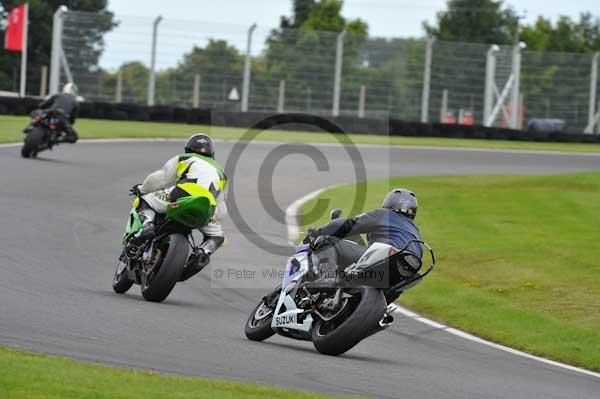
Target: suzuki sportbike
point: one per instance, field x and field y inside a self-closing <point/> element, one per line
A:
<point x="159" y="263"/>
<point x="336" y="313"/>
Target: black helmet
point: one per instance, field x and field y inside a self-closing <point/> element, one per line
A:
<point x="201" y="144"/>
<point x="401" y="200"/>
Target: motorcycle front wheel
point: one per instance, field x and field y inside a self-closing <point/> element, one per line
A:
<point x="121" y="282"/>
<point x="258" y="326"/>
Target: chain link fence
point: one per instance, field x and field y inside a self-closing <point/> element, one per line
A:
<point x="201" y="64"/>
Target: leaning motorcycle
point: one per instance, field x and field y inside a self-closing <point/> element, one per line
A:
<point x="336" y="313"/>
<point x="43" y="133"/>
<point x="159" y="263"/>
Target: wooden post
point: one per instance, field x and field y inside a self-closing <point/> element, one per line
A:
<point x="196" y="98"/>
<point x="444" y="109"/>
<point x="361" y="101"/>
<point x="44" y="81"/>
<point x="119" y="88"/>
<point x="281" y="97"/>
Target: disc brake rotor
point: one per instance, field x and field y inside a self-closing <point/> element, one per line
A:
<point x="154" y="262"/>
<point x="262" y="312"/>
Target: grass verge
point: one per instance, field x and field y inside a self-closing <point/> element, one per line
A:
<point x="25" y="375"/>
<point x="518" y="258"/>
<point x="11" y="127"/>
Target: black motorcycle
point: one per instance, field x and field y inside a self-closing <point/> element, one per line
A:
<point x="44" y="132"/>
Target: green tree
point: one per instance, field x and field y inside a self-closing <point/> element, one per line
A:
<point x="301" y="11"/>
<point x="478" y="21"/>
<point x="566" y="35"/>
<point x="305" y="56"/>
<point x="555" y="78"/>
<point x="220" y="68"/>
<point x="135" y="82"/>
<point x="392" y="72"/>
<point x="40" y="36"/>
<point x="457" y="65"/>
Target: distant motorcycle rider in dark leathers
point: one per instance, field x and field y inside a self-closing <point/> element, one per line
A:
<point x="64" y="107"/>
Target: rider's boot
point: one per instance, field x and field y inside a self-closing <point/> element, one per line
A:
<point x="70" y="136"/>
<point x="198" y="260"/>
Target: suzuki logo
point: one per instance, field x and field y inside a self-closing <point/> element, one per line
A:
<point x="288" y="319"/>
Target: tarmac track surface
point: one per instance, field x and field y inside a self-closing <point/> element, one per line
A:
<point x="63" y="216"/>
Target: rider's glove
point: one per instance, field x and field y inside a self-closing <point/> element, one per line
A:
<point x="311" y="235"/>
<point x="135" y="190"/>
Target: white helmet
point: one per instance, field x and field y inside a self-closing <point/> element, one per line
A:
<point x="71" y="89"/>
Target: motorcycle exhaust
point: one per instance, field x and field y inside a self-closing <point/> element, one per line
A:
<point x="386" y="321"/>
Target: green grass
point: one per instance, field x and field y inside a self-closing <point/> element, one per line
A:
<point x="26" y="375"/>
<point x="519" y="258"/>
<point x="11" y="127"/>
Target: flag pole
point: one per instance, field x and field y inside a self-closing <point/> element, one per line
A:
<point x="24" y="52"/>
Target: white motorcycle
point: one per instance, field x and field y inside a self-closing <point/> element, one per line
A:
<point x="337" y="312"/>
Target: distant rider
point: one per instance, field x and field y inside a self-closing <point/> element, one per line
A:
<point x="194" y="173"/>
<point x="64" y="107"/>
<point x="391" y="224"/>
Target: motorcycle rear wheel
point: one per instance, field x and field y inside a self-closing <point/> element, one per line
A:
<point x="169" y="270"/>
<point x="32" y="142"/>
<point x="342" y="334"/>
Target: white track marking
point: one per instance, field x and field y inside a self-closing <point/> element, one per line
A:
<point x="292" y="221"/>
<point x="292" y="215"/>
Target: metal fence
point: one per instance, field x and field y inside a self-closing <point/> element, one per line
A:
<point x="230" y="67"/>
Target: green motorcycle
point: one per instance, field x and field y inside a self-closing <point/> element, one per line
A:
<point x="159" y="263"/>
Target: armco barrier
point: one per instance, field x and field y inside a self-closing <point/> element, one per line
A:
<point x="163" y="113"/>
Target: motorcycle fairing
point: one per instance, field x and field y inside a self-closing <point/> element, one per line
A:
<point x="297" y="267"/>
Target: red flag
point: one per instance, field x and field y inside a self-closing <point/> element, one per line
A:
<point x="15" y="29"/>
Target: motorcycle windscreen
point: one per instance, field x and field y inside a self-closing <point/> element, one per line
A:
<point x="295" y="265"/>
<point x="193" y="212"/>
<point x="133" y="221"/>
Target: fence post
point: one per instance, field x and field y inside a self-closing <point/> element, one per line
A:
<point x="361" y="101"/>
<point x="490" y="82"/>
<point x="196" y="95"/>
<point x="427" y="80"/>
<point x="593" y="84"/>
<point x="516" y="72"/>
<point x="246" y="82"/>
<point x="119" y="89"/>
<point x="444" y="107"/>
<point x="281" y="97"/>
<point x="337" y="78"/>
<point x="44" y="81"/>
<point x="152" y="77"/>
<point x="57" y="31"/>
